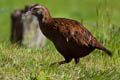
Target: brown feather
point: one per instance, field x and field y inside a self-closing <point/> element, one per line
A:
<point x="70" y="37"/>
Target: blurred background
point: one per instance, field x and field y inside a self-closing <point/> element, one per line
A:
<point x="100" y="17"/>
<point x="90" y="12"/>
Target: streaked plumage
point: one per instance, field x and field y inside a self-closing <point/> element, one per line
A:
<point x="70" y="37"/>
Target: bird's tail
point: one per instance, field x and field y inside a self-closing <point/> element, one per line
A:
<point x="105" y="50"/>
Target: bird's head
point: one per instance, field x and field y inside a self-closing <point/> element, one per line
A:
<point x="27" y="7"/>
<point x="40" y="12"/>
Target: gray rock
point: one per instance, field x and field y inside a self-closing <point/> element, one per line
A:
<point x="32" y="35"/>
<point x="25" y="30"/>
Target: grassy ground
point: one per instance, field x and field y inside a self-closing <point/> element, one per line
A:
<point x="101" y="17"/>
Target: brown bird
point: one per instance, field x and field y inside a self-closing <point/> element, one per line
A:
<point x="70" y="37"/>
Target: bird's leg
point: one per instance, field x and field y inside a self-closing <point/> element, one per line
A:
<point x="76" y="60"/>
<point x="67" y="60"/>
<point x="61" y="62"/>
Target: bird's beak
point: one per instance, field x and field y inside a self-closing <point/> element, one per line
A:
<point x="28" y="13"/>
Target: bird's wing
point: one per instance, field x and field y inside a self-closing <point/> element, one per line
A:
<point x="74" y="32"/>
<point x="82" y="36"/>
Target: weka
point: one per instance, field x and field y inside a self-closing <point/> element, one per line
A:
<point x="70" y="37"/>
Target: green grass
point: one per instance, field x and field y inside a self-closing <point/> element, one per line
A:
<point x="101" y="17"/>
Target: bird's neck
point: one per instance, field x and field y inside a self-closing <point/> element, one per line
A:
<point x="45" y="20"/>
<point x="46" y="27"/>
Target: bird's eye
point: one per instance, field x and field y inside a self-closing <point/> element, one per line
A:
<point x="35" y="9"/>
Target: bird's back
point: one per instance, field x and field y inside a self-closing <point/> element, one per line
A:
<point x="71" y="38"/>
<point x="73" y="31"/>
